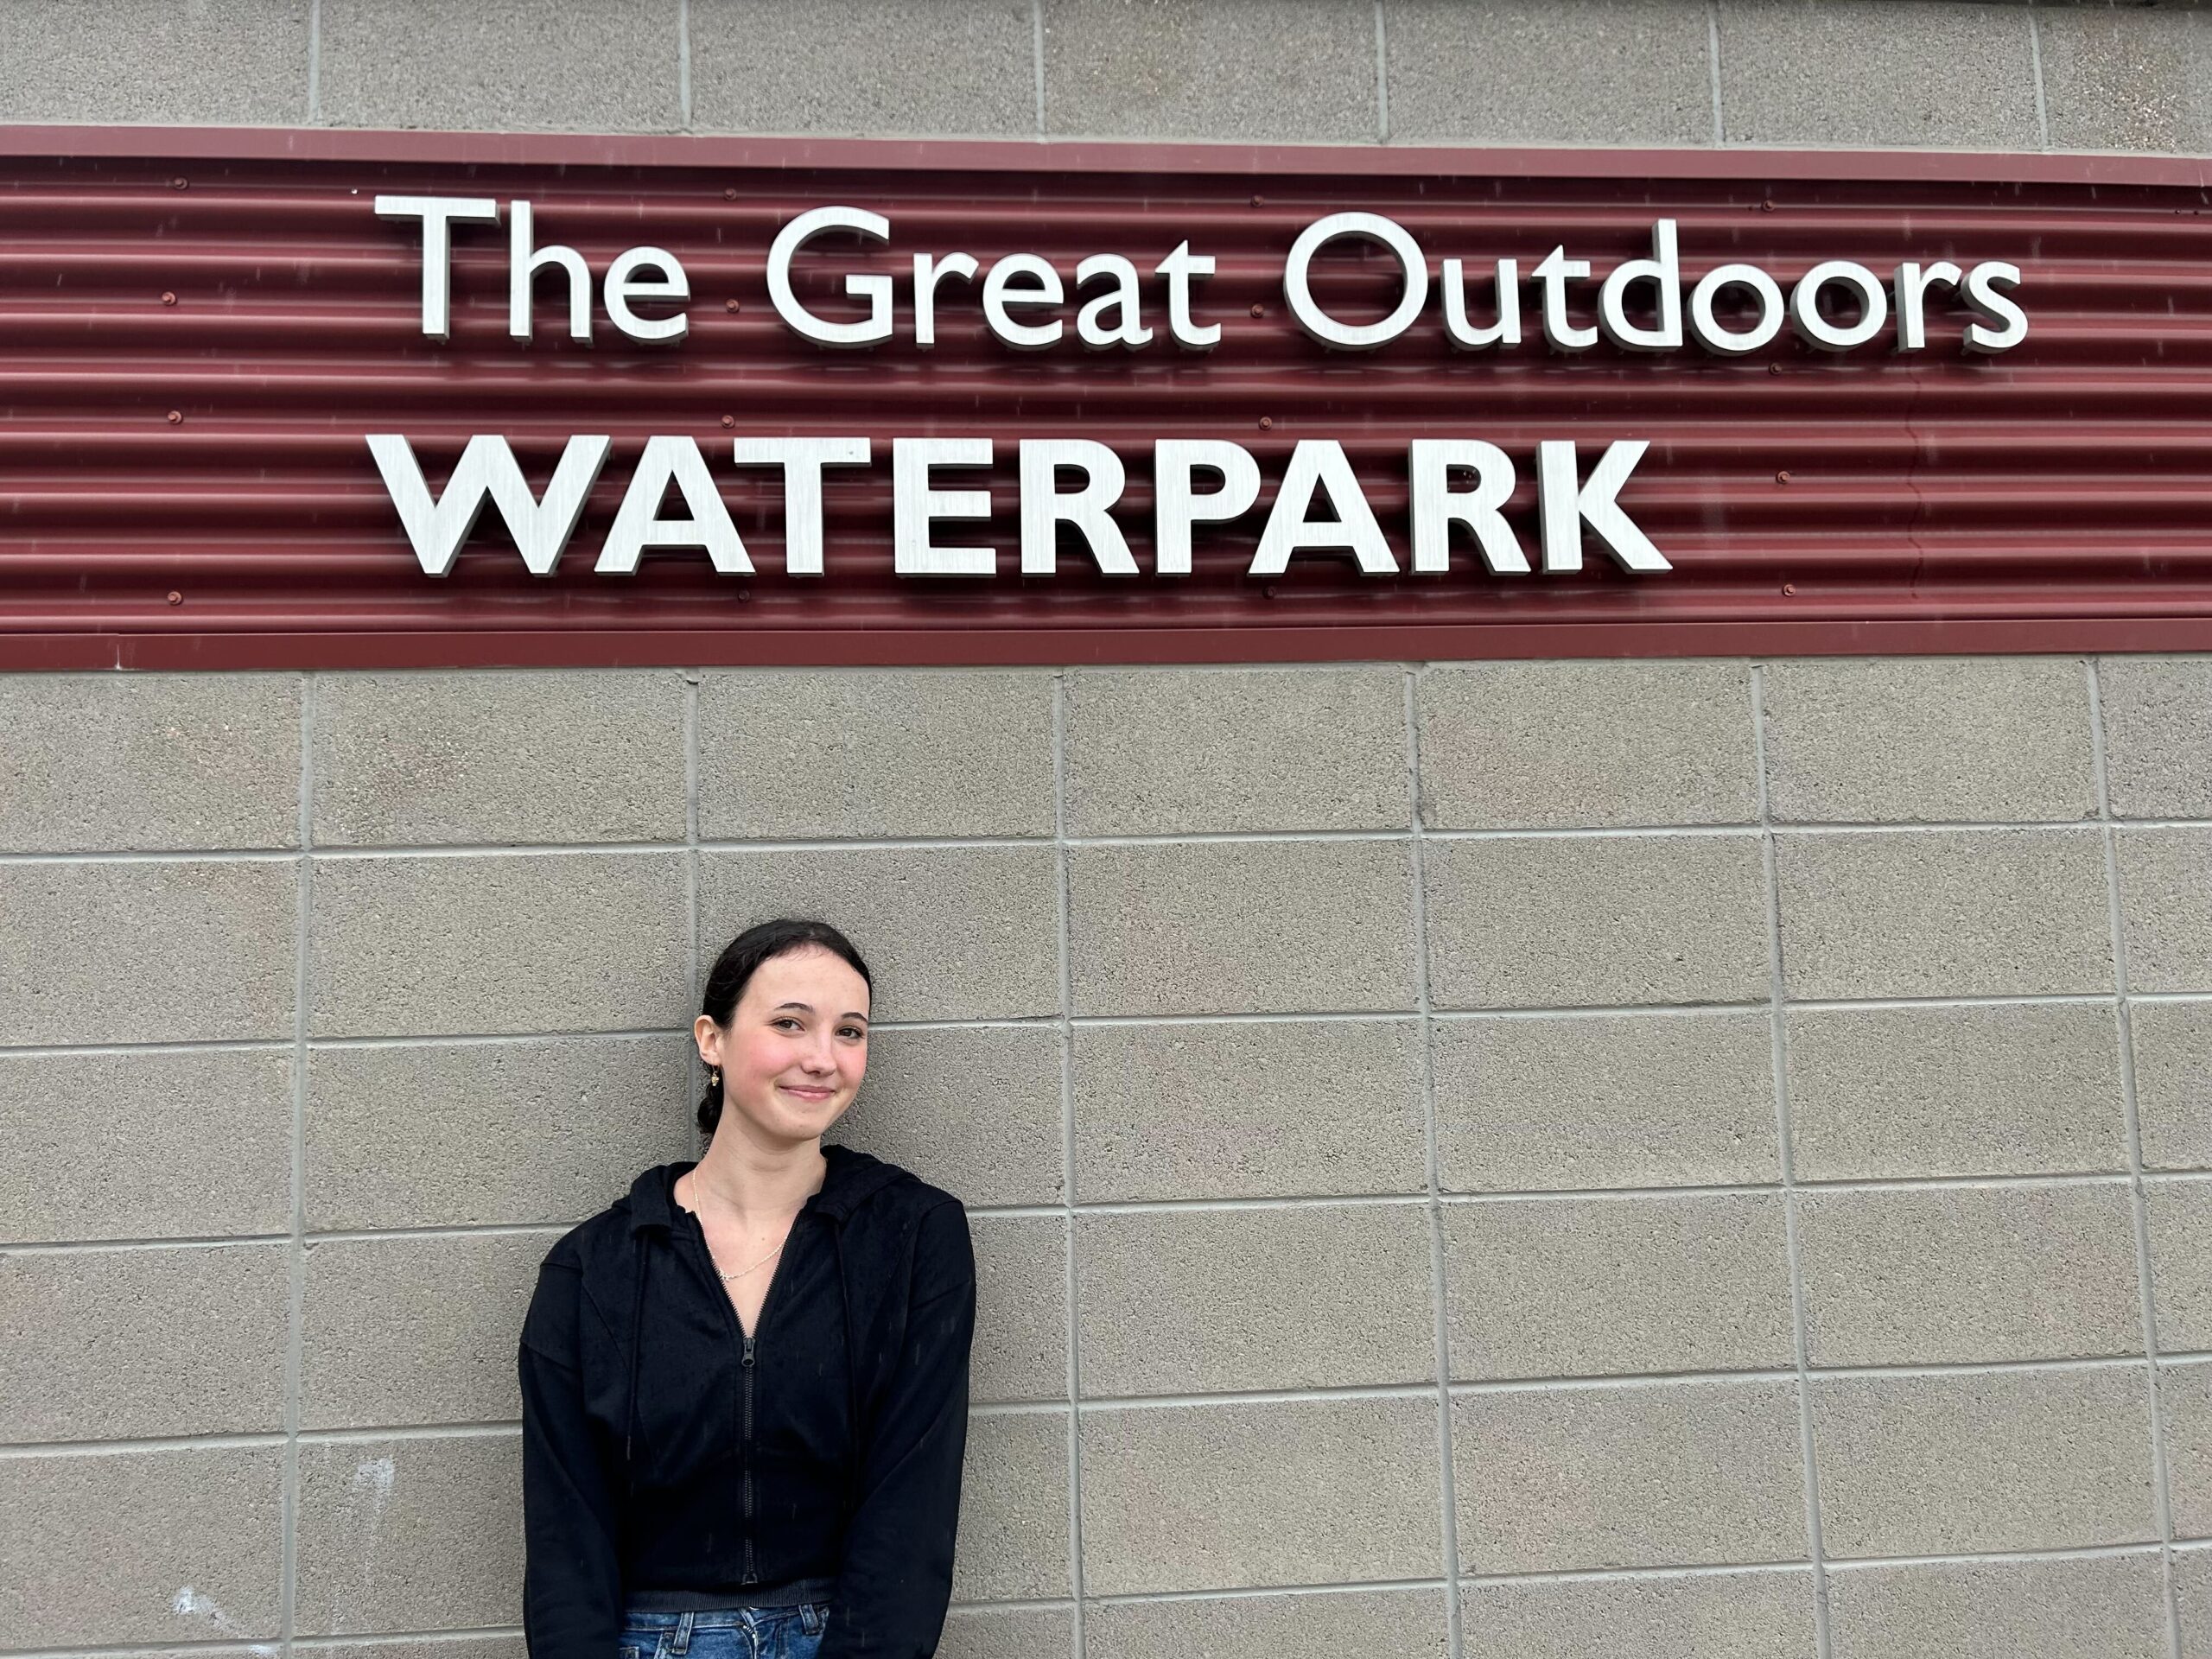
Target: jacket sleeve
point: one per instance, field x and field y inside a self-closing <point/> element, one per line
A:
<point x="896" y="1574"/>
<point x="572" y="1575"/>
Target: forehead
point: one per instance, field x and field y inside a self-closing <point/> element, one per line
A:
<point x="825" y="981"/>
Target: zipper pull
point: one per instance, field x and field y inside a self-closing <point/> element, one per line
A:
<point x="749" y="1341"/>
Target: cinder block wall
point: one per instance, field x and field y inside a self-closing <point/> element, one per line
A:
<point x="1497" y="1161"/>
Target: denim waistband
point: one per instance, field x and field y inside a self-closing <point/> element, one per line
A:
<point x="660" y="1609"/>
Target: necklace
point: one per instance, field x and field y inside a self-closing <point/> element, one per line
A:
<point x="726" y="1277"/>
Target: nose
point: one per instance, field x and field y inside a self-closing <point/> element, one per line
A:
<point x="818" y="1058"/>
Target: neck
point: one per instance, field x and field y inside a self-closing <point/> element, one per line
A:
<point x="741" y="1174"/>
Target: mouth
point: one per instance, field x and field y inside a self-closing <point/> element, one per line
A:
<point x="806" y="1092"/>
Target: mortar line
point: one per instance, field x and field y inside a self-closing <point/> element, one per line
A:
<point x="684" y="63"/>
<point x="1713" y="68"/>
<point x="2161" y="1491"/>
<point x="295" y="1248"/>
<point x="1383" y="137"/>
<point x="1778" y="1023"/>
<point x="1455" y="1634"/>
<point x="970" y="843"/>
<point x="315" y="63"/>
<point x="2034" y="68"/>
<point x="695" y="1079"/>
<point x="1067" y="1152"/>
<point x="1037" y="76"/>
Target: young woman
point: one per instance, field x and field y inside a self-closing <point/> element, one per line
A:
<point x="744" y="1385"/>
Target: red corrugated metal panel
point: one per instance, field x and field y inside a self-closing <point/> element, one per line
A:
<point x="197" y="330"/>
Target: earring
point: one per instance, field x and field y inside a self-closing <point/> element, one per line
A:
<point x="714" y="1078"/>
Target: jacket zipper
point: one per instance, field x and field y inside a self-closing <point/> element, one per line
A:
<point x="751" y="1573"/>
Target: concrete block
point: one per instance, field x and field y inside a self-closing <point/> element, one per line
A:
<point x="172" y="952"/>
<point x="976" y="1111"/>
<point x="2158" y="710"/>
<point x="415" y="1329"/>
<point x="1929" y="739"/>
<point x="2124" y="80"/>
<point x="502" y="66"/>
<point x="2110" y="1607"/>
<point x="1664" y="1474"/>
<point x="396" y="1136"/>
<point x="416" y="1533"/>
<point x="1604" y="1099"/>
<point x="529" y="759"/>
<point x="2185" y="1404"/>
<point x="2165" y="895"/>
<point x="1281" y="1492"/>
<point x="418" y="946"/>
<point x="1406" y="1623"/>
<point x="1537" y="746"/>
<point x="1013" y="1509"/>
<point x="1973" y="1462"/>
<point x="1181" y="751"/>
<point x="1618" y="71"/>
<point x="1556" y="922"/>
<point x="2180" y="1218"/>
<point x="1861" y="73"/>
<point x="949" y="932"/>
<point x="2173" y="1082"/>
<point x="865" y="66"/>
<point x="1232" y="1111"/>
<point x="195" y="1144"/>
<point x="153" y="763"/>
<point x="1197" y="1301"/>
<point x="1712" y="1616"/>
<point x="2193" y="1590"/>
<point x="149" y="60"/>
<point x="1291" y="72"/>
<point x="796" y="756"/>
<point x="141" y="1547"/>
<point x="1009" y="1633"/>
<point x="1883" y="1093"/>
<point x="1021" y="1309"/>
<point x="1239" y="927"/>
<point x="1944" y="913"/>
<point x="1963" y="1275"/>
<point x="1604" y="1287"/>
<point x="115" y="1345"/>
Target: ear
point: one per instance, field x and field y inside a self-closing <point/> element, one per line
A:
<point x="708" y="1036"/>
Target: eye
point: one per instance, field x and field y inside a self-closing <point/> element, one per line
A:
<point x="855" y="1034"/>
<point x="786" y="1022"/>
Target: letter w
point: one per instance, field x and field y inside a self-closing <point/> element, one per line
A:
<point x="438" y="527"/>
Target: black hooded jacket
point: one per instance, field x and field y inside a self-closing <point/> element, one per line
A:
<point x="667" y="1457"/>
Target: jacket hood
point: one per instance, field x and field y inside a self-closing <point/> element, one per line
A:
<point x="854" y="1177"/>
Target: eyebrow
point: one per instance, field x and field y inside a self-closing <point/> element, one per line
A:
<point x="808" y="1008"/>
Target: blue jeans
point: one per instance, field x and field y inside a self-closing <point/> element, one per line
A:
<point x="730" y="1633"/>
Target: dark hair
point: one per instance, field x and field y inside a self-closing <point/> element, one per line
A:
<point x="735" y="967"/>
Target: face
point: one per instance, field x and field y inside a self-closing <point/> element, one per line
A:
<point x="795" y="1050"/>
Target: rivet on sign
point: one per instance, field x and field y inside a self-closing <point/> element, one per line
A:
<point x="1774" y="368"/>
<point x="175" y="598"/>
<point x="168" y="298"/>
<point x="730" y="420"/>
<point x="179" y="184"/>
<point x="1781" y="478"/>
<point x="730" y="193"/>
<point x="1267" y="423"/>
<point x="1766" y="207"/>
<point x="730" y="305"/>
<point x="1258" y="202"/>
<point x="1267" y="592"/>
<point x="176" y="417"/>
<point x="744" y="595"/>
<point x="1259" y="310"/>
<point x="1788" y="588"/>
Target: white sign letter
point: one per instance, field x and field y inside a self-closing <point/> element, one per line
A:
<point x="639" y="525"/>
<point x="1564" y="510"/>
<point x="487" y="470"/>
<point x="1176" y="507"/>
<point x="876" y="290"/>
<point x="802" y="459"/>
<point x="1355" y="337"/>
<point x="437" y="212"/>
<point x="1321" y="461"/>
<point x="1044" y="510"/>
<point x="1437" y="506"/>
<point x="914" y="504"/>
<point x="624" y="285"/>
